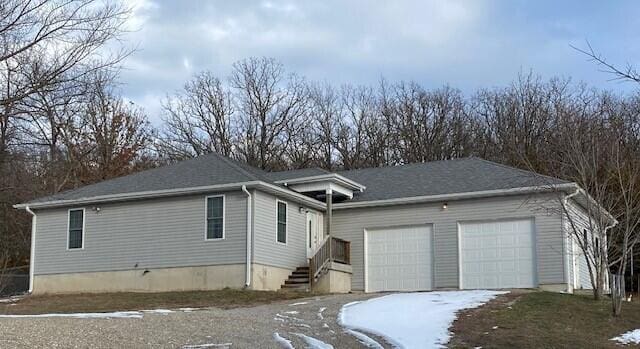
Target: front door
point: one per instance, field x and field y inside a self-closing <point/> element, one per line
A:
<point x="313" y="238"/>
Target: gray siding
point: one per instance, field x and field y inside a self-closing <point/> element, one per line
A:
<point x="581" y="219"/>
<point x="349" y="224"/>
<point x="267" y="250"/>
<point x="157" y="233"/>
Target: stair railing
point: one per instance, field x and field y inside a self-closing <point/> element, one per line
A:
<point x="331" y="250"/>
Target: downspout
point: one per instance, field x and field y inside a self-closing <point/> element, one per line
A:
<point x="32" y="254"/>
<point x="564" y="240"/>
<point x="247" y="281"/>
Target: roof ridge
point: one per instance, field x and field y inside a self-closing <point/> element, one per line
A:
<point x="411" y="164"/>
<point x="237" y="167"/>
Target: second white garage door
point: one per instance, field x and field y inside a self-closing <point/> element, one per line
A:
<point x="497" y="254"/>
<point x="398" y="259"/>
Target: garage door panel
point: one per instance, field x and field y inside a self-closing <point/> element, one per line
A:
<point x="497" y="254"/>
<point x="399" y="259"/>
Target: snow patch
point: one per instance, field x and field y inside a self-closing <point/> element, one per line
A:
<point x="285" y="343"/>
<point x="630" y="337"/>
<point x="299" y="303"/>
<point x="208" y="345"/>
<point x="412" y="320"/>
<point x="293" y="312"/>
<point x="285" y="317"/>
<point x="113" y="315"/>
<point x="158" y="311"/>
<point x="187" y="310"/>
<point x="11" y="299"/>
<point x="364" y="339"/>
<point x="314" y="343"/>
<point x="320" y="313"/>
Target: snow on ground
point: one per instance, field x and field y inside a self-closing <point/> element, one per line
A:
<point x="314" y="343"/>
<point x="11" y="299"/>
<point x="208" y="345"/>
<point x="158" y="311"/>
<point x="364" y="339"/>
<point x="285" y="343"/>
<point x="412" y="320"/>
<point x="299" y="303"/>
<point x="117" y="314"/>
<point x="631" y="337"/>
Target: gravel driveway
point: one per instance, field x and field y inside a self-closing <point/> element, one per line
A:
<point x="205" y="328"/>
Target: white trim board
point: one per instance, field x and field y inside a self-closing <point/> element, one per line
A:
<point x="206" y="218"/>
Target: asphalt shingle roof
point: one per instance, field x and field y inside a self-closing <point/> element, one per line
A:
<point x="420" y="179"/>
<point x="442" y="177"/>
<point x="204" y="170"/>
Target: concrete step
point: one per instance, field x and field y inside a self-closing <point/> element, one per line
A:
<point x="296" y="286"/>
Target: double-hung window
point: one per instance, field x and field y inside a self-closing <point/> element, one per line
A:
<point x="215" y="217"/>
<point x="281" y="217"/>
<point x="75" y="234"/>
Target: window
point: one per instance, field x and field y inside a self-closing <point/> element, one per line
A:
<point x="585" y="237"/>
<point x="282" y="222"/>
<point x="75" y="234"/>
<point x="215" y="217"/>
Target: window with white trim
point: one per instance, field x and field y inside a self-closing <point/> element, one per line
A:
<point x="76" y="229"/>
<point x="215" y="217"/>
<point x="282" y="222"/>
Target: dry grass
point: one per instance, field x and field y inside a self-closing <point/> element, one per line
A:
<point x="106" y="302"/>
<point x="543" y="320"/>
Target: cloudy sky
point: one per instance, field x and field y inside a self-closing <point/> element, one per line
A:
<point x="466" y="44"/>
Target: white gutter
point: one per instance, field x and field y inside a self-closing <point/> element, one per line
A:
<point x="32" y="255"/>
<point x="455" y="196"/>
<point x="177" y="192"/>
<point x="247" y="282"/>
<point x="565" y="243"/>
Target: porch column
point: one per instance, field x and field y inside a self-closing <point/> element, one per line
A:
<point x="329" y="202"/>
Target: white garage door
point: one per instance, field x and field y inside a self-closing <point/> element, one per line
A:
<point x="497" y="254"/>
<point x="398" y="259"/>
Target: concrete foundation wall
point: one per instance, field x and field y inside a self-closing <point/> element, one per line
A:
<point x="268" y="278"/>
<point x="336" y="280"/>
<point x="214" y="277"/>
<point x="155" y="280"/>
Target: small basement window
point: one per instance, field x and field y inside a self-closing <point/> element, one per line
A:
<point x="215" y="217"/>
<point x="75" y="234"/>
<point x="282" y="222"/>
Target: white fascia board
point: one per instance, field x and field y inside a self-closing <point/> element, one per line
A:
<point x="330" y="177"/>
<point x="176" y="192"/>
<point x="455" y="196"/>
<point x="292" y="195"/>
<point x="322" y="187"/>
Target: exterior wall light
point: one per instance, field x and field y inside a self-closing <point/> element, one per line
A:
<point x="444" y="206"/>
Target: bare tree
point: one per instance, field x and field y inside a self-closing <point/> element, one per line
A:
<point x="325" y="112"/>
<point x="271" y="104"/>
<point x="44" y="40"/>
<point x="198" y="120"/>
<point x="628" y="73"/>
<point x="115" y="137"/>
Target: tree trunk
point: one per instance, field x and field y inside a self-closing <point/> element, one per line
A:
<point x="617" y="293"/>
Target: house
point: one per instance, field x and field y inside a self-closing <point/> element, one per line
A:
<point x="213" y="222"/>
